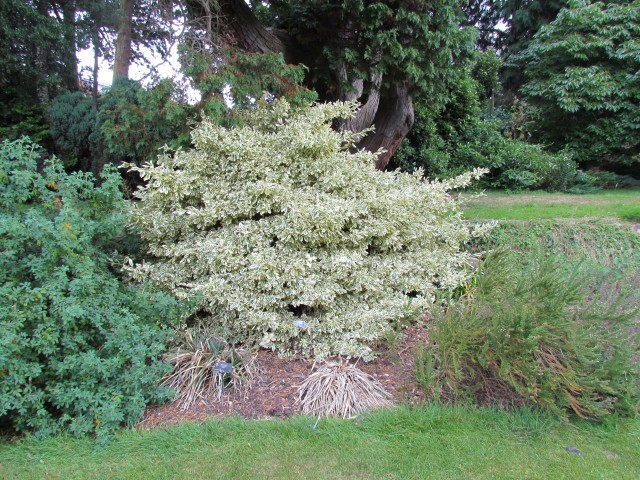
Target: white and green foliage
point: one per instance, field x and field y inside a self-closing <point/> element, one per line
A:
<point x="278" y="222"/>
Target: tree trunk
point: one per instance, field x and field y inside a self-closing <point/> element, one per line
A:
<point x="250" y="35"/>
<point x="72" y="79"/>
<point x="390" y="111"/>
<point x="366" y="113"/>
<point x="42" y="60"/>
<point x="394" y="118"/>
<point x="95" y="38"/>
<point x="123" y="40"/>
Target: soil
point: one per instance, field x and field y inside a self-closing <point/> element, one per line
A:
<point x="273" y="392"/>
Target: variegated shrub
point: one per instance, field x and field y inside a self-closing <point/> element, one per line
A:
<point x="294" y="241"/>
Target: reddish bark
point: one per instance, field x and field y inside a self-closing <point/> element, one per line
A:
<point x="394" y="118"/>
<point x="249" y="33"/>
<point x="389" y="111"/>
<point x="123" y="40"/>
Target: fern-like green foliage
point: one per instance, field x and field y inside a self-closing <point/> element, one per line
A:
<point x="538" y="330"/>
<point x="79" y="349"/>
<point x="291" y="239"/>
<point x="582" y="75"/>
<point x="409" y="43"/>
<point x="241" y="77"/>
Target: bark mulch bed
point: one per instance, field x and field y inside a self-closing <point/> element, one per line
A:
<point x="274" y="390"/>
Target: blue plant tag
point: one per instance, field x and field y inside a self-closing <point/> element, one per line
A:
<point x="300" y="324"/>
<point x="223" y="367"/>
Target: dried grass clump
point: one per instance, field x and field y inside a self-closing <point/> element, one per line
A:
<point x="338" y="389"/>
<point x="194" y="377"/>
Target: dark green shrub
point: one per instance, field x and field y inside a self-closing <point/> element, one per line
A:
<point x="516" y="164"/>
<point x="447" y="140"/>
<point x="73" y="121"/>
<point x="18" y="119"/>
<point x="582" y="78"/>
<point x="539" y="333"/>
<point x="80" y="350"/>
<point x="136" y="122"/>
<point x="512" y="163"/>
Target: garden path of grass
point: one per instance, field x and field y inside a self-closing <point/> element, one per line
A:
<point x="431" y="442"/>
<point x="613" y="204"/>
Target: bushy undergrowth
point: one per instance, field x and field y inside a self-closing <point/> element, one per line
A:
<point x="73" y="121"/>
<point x="291" y="240"/>
<point x="79" y="349"/>
<point x="539" y="333"/>
<point x="512" y="163"/>
<point x="454" y="134"/>
<point x="599" y="179"/>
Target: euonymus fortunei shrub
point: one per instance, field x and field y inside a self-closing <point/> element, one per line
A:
<point x="294" y="241"/>
<point x="79" y="349"/>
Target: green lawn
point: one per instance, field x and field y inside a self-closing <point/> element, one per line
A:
<point x="431" y="442"/>
<point x="618" y="204"/>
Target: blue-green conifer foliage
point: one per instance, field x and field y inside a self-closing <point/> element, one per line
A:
<point x="80" y="350"/>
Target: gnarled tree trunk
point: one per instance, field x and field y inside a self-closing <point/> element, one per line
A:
<point x="369" y="102"/>
<point x="250" y="34"/>
<point x="389" y="111"/>
<point x="394" y="118"/>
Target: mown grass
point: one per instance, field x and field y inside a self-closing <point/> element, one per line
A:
<point x="432" y="442"/>
<point x="618" y="204"/>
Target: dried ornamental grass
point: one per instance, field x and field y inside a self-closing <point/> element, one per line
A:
<point x="196" y="374"/>
<point x="338" y="389"/>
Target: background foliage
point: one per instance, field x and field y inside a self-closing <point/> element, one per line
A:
<point x="73" y="120"/>
<point x="582" y="77"/>
<point x="464" y="131"/>
<point x="134" y="123"/>
<point x="573" y="63"/>
<point x="407" y="42"/>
